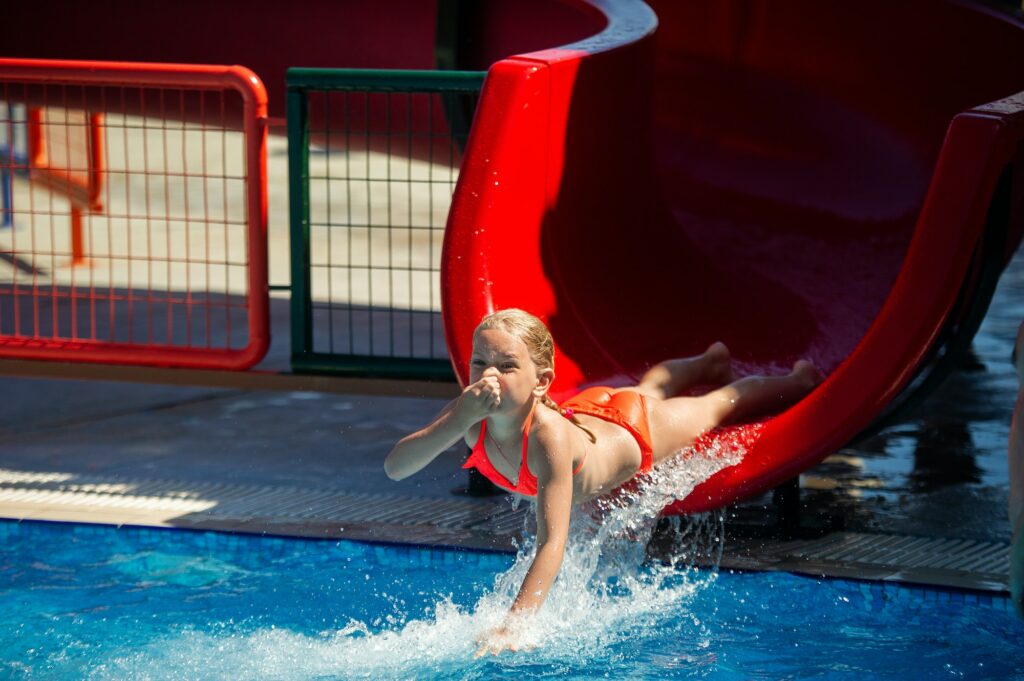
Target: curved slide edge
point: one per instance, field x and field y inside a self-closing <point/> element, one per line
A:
<point x="512" y="180"/>
<point x="980" y="146"/>
<point x="514" y="191"/>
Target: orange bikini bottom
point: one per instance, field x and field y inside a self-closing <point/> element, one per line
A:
<point x="625" y="408"/>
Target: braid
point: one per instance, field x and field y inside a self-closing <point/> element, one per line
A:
<point x="548" y="402"/>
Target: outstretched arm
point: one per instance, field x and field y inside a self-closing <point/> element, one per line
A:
<point x="413" y="452"/>
<point x="554" y="506"/>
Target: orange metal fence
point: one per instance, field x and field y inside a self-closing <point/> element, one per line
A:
<point x="139" y="214"/>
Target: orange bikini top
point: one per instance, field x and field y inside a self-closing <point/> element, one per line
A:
<point x="527" y="484"/>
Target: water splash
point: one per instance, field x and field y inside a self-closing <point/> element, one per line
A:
<point x="608" y="598"/>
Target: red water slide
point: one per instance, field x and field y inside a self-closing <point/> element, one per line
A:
<point x="836" y="181"/>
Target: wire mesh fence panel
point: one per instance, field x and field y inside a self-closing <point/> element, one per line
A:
<point x="374" y="161"/>
<point x="138" y="204"/>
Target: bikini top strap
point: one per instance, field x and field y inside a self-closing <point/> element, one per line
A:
<point x="483" y="432"/>
<point x="526" y="432"/>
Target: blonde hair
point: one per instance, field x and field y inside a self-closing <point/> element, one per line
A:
<point x="539" y="343"/>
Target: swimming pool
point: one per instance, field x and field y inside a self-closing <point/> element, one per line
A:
<point x="101" y="603"/>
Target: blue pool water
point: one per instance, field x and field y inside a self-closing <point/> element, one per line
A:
<point x="103" y="603"/>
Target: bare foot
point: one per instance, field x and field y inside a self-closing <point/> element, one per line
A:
<point x="718" y="365"/>
<point x="807" y="374"/>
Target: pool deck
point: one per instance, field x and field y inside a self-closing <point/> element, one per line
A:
<point x="308" y="464"/>
<point x="923" y="502"/>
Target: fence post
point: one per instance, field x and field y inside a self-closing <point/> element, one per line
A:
<point x="298" y="189"/>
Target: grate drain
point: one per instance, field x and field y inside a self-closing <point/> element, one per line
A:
<point x="936" y="561"/>
<point x="909" y="552"/>
<point x="200" y="501"/>
<point x="460" y="522"/>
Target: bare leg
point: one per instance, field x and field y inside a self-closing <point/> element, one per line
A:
<point x="677" y="422"/>
<point x="671" y="377"/>
<point x="757" y="395"/>
<point x="1016" y="470"/>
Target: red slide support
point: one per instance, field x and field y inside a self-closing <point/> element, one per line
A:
<point x="67" y="158"/>
<point x="177" y="263"/>
<point x="812" y="179"/>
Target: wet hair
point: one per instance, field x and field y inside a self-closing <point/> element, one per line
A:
<point x="539" y="343"/>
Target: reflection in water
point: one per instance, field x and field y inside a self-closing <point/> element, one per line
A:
<point x="944" y="456"/>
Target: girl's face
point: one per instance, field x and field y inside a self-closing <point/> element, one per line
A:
<point x="519" y="377"/>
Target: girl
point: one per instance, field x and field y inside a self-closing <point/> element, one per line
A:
<point x="588" y="446"/>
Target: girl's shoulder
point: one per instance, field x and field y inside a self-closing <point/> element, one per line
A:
<point x="546" y="422"/>
<point x="550" y="432"/>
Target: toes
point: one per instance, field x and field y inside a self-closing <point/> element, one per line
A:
<point x="718" y="351"/>
<point x="721" y="359"/>
<point x="807" y="372"/>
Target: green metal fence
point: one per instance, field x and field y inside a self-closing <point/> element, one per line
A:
<point x="373" y="161"/>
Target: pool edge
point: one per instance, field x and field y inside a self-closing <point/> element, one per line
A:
<point x="463" y="523"/>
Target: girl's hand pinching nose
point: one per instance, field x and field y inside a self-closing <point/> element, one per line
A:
<point x="484" y="396"/>
<point x="492" y="388"/>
